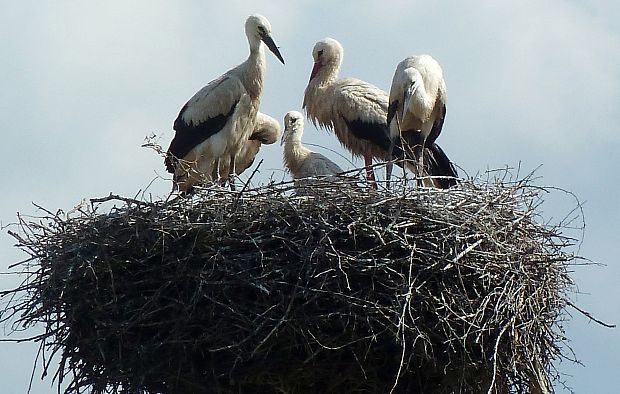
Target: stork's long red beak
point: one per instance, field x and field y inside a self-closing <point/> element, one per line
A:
<point x="315" y="69"/>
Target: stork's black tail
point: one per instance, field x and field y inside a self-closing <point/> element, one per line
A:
<point x="436" y="162"/>
<point x="438" y="165"/>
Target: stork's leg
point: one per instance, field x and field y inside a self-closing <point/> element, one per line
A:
<point x="216" y="170"/>
<point x="370" y="174"/>
<point x="425" y="175"/>
<point x="232" y="173"/>
<point x="390" y="165"/>
<point x="422" y="151"/>
<point x="419" y="165"/>
<point x="427" y="166"/>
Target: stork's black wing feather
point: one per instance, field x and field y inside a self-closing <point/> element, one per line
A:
<point x="437" y="126"/>
<point x="189" y="135"/>
<point x="376" y="133"/>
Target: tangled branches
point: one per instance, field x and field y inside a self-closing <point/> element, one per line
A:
<point x="340" y="290"/>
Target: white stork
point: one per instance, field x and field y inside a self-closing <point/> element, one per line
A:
<point x="355" y="110"/>
<point x="416" y="115"/>
<point x="218" y="119"/>
<point x="266" y="130"/>
<point x="299" y="160"/>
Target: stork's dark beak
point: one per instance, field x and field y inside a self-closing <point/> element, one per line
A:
<point x="283" y="136"/>
<point x="411" y="89"/>
<point x="272" y="47"/>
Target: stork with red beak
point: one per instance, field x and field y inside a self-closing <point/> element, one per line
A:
<point x="354" y="110"/>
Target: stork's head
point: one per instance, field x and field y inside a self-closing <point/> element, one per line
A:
<point x="293" y="126"/>
<point x="258" y="29"/>
<point x="267" y="130"/>
<point x="327" y="54"/>
<point x="411" y="83"/>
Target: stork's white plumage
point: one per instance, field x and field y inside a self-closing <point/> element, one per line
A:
<point x="416" y="115"/>
<point x="217" y="121"/>
<point x="355" y="110"/>
<point x="299" y="160"/>
<point x="266" y="130"/>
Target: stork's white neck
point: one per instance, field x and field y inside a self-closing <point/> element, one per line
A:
<point x="294" y="152"/>
<point x="421" y="103"/>
<point x="317" y="101"/>
<point x="327" y="74"/>
<point x="254" y="70"/>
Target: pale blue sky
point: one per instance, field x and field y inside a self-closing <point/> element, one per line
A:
<point x="531" y="82"/>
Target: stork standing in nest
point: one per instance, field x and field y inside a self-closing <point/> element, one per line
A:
<point x="217" y="121"/>
<point x="354" y="110"/>
<point x="416" y="115"/>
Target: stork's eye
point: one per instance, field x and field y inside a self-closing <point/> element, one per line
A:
<point x="320" y="53"/>
<point x="261" y="30"/>
<point x="293" y="120"/>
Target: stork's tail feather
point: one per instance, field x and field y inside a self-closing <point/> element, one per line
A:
<point x="436" y="162"/>
<point x="439" y="165"/>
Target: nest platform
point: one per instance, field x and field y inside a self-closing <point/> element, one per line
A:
<point x="340" y="290"/>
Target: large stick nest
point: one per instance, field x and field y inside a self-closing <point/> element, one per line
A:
<point x="343" y="290"/>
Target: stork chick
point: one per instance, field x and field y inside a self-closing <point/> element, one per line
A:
<point x="218" y="119"/>
<point x="299" y="160"/>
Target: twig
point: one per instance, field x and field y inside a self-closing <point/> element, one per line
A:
<point x="589" y="315"/>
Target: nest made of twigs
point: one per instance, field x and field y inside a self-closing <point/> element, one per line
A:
<point x="342" y="290"/>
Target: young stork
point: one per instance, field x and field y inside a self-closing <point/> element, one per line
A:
<point x="218" y="119"/>
<point x="299" y="160"/>
<point x="354" y="110"/>
<point x="266" y="130"/>
<point x="416" y="114"/>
